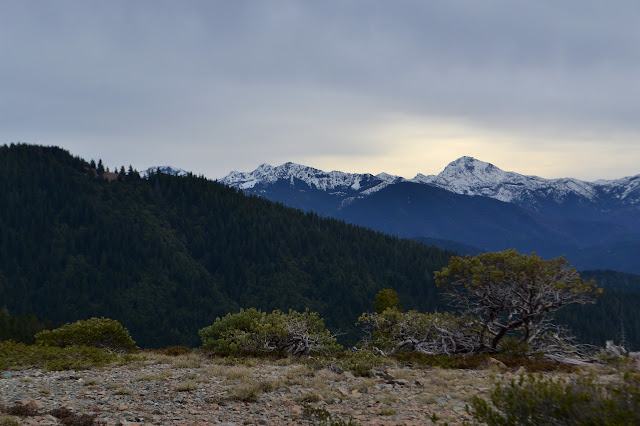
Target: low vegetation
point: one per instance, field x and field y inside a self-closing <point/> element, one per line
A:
<point x="100" y="333"/>
<point x="296" y="333"/>
<point x="19" y="355"/>
<point x="536" y="400"/>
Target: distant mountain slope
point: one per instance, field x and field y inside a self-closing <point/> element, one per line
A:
<point x="566" y="197"/>
<point x="308" y="188"/>
<point x="465" y="176"/>
<point x="597" y="224"/>
<point x="167" y="255"/>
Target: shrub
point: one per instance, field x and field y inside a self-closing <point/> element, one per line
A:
<point x="322" y="417"/>
<point x="512" y="347"/>
<point x="538" y="401"/>
<point x="251" y="330"/>
<point x="360" y="363"/>
<point x="392" y="332"/>
<point x="97" y="332"/>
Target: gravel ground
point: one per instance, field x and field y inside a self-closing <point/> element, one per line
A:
<point x="190" y="390"/>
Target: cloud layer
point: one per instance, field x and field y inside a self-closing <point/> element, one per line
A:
<point x="404" y="87"/>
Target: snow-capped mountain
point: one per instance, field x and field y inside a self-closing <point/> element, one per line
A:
<point x="565" y="197"/>
<point x="168" y="170"/>
<point x="469" y="176"/>
<point x="314" y="178"/>
<point x="596" y="224"/>
<point x="294" y="184"/>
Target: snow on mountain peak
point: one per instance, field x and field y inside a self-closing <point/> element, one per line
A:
<point x="466" y="176"/>
<point x="470" y="176"/>
<point x="315" y="178"/>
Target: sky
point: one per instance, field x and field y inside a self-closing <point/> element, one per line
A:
<point x="547" y="88"/>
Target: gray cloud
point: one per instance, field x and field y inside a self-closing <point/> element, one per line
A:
<point x="222" y="85"/>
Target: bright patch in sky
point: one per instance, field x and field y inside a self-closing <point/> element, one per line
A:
<point x="403" y="87"/>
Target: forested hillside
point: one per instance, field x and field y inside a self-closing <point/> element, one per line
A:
<point x="166" y="255"/>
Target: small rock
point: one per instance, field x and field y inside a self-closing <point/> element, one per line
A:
<point x="496" y="365"/>
<point x="294" y="391"/>
<point x="35" y="405"/>
<point x="6" y="374"/>
<point x="384" y="375"/>
<point x="296" y="410"/>
<point x="520" y="371"/>
<point x="344" y="391"/>
<point x="263" y="422"/>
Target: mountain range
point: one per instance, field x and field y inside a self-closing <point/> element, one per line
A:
<point x="596" y="224"/>
<point x="166" y="255"/>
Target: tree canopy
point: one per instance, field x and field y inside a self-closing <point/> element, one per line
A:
<point x="512" y="292"/>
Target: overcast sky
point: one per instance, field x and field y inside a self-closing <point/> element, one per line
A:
<point x="550" y="88"/>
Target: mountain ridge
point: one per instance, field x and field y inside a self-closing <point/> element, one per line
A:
<point x="466" y="176"/>
<point x="589" y="221"/>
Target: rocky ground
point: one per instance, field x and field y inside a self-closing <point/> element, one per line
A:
<point x="192" y="390"/>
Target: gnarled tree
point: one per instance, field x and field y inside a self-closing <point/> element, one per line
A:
<point x="512" y="292"/>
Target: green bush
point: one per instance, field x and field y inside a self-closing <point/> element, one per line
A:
<point x="538" y="401"/>
<point x="100" y="333"/>
<point x="252" y="330"/>
<point x="360" y="363"/>
<point x="392" y="332"/>
<point x="512" y="347"/>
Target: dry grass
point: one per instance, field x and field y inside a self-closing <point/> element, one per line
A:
<point x="122" y="391"/>
<point x="250" y="391"/>
<point x="189" y="360"/>
<point x="187" y="386"/>
<point x="388" y="398"/>
<point x="9" y="421"/>
<point x="365" y="384"/>
<point x="321" y="388"/>
<point x="299" y="375"/>
<point x="164" y="374"/>
<point x="156" y="358"/>
<point x="402" y="373"/>
<point x="387" y="412"/>
<point x="328" y="375"/>
<point x="238" y="372"/>
<point x="308" y="398"/>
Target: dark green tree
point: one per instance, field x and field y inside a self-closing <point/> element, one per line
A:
<point x="512" y="292"/>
